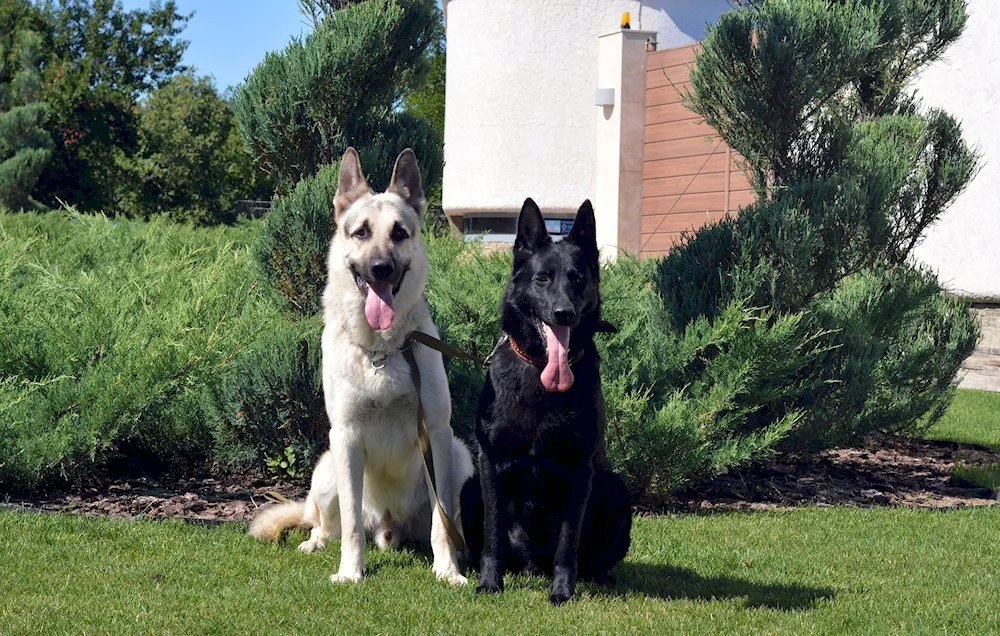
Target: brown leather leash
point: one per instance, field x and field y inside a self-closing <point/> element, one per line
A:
<point x="422" y="434"/>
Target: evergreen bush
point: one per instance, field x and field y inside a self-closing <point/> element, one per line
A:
<point x="273" y="400"/>
<point x="849" y="172"/>
<point x="292" y="248"/>
<point x="116" y="337"/>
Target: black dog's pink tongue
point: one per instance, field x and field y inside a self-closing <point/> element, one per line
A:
<point x="378" y="306"/>
<point x="557" y="376"/>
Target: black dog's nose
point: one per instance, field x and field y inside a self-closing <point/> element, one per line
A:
<point x="381" y="268"/>
<point x="565" y="315"/>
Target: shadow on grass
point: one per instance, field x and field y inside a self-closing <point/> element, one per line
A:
<point x="668" y="582"/>
<point x="652" y="580"/>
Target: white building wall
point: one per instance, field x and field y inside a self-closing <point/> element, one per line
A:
<point x="964" y="247"/>
<point x="520" y="113"/>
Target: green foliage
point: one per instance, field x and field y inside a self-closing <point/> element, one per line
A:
<point x="152" y="347"/>
<point x="292" y="248"/>
<point x="272" y="407"/>
<point x="849" y="175"/>
<point x="464" y="288"/>
<point x="302" y="107"/>
<point x="176" y="152"/>
<point x="116" y="339"/>
<point x="25" y="145"/>
<point x="286" y="463"/>
<point x="428" y="101"/>
<point x="25" y="148"/>
<point x="190" y="162"/>
<point x="93" y="60"/>
<point x="682" y="405"/>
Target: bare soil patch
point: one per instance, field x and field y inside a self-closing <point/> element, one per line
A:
<point x="884" y="471"/>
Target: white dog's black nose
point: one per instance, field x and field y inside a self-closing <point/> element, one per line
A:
<point x="381" y="268"/>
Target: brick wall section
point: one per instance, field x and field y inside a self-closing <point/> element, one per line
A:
<point x="689" y="175"/>
<point x="982" y="369"/>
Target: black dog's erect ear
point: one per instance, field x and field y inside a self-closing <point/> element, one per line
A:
<point x="584" y="232"/>
<point x="531" y="232"/>
<point x="406" y="181"/>
<point x="351" y="184"/>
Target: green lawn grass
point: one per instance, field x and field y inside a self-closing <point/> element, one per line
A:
<point x="973" y="418"/>
<point x="814" y="570"/>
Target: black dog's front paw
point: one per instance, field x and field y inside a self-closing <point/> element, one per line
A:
<point x="562" y="590"/>
<point x="490" y="576"/>
<point x="489" y="587"/>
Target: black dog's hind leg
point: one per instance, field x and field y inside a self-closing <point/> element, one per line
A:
<point x="565" y="562"/>
<point x="472" y="518"/>
<point x="607" y="530"/>
<point x="491" y="562"/>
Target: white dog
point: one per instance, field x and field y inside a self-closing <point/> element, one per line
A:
<point x="371" y="481"/>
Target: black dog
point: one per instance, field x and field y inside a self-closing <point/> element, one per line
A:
<point x="544" y="500"/>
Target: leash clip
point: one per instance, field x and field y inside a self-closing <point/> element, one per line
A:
<point x="504" y="338"/>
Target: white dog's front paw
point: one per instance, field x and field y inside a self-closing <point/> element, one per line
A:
<point x="313" y="544"/>
<point x="351" y="577"/>
<point x="450" y="574"/>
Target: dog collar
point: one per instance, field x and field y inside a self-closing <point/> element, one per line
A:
<point x="538" y="362"/>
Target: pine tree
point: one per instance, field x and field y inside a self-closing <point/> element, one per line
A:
<point x="301" y="108"/>
<point x="850" y="171"/>
<point x="25" y="146"/>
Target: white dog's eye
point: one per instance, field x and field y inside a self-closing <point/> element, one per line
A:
<point x="398" y="233"/>
<point x="362" y="232"/>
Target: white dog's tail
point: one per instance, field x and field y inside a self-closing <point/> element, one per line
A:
<point x="268" y="524"/>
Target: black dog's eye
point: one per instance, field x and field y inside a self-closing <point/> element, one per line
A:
<point x="575" y="277"/>
<point x="398" y="233"/>
<point x="362" y="232"/>
<point x="542" y="278"/>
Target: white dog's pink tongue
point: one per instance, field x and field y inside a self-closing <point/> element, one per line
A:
<point x="378" y="306"/>
<point x="557" y="376"/>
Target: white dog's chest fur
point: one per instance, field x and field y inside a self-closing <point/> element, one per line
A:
<point x="378" y="408"/>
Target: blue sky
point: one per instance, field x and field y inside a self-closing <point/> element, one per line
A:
<point x="228" y="38"/>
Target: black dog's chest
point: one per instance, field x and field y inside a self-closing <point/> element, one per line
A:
<point x="525" y="428"/>
<point x="541" y="442"/>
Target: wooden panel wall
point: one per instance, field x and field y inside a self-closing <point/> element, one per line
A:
<point x="689" y="175"/>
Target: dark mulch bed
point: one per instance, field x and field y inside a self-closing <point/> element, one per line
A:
<point x="885" y="471"/>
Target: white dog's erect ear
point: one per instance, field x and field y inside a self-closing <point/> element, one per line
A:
<point x="406" y="181"/>
<point x="351" y="184"/>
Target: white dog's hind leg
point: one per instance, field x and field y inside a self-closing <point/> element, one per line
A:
<point x="327" y="513"/>
<point x="321" y="508"/>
